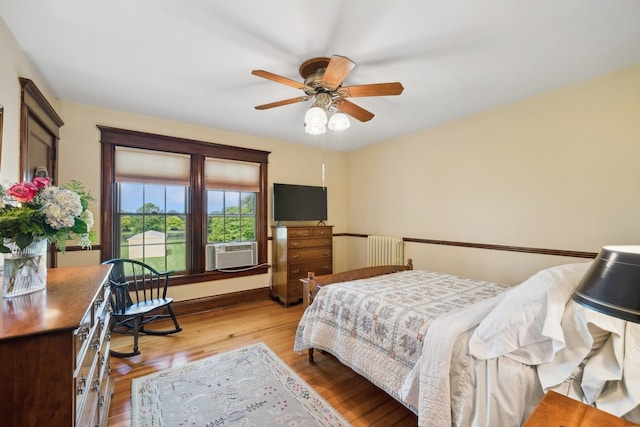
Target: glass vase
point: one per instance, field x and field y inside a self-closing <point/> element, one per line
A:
<point x="25" y="270"/>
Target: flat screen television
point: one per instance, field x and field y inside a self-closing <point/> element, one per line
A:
<point x="299" y="203"/>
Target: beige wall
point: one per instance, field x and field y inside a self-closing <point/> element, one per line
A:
<point x="558" y="170"/>
<point x="292" y="163"/>
<point x="13" y="64"/>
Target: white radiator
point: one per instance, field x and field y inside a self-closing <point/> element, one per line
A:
<point x="230" y="255"/>
<point x="385" y="250"/>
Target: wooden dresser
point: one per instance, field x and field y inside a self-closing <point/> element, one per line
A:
<point x="54" y="351"/>
<point x="297" y="251"/>
<point x="556" y="410"/>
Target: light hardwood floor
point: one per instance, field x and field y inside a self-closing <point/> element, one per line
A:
<point x="220" y="330"/>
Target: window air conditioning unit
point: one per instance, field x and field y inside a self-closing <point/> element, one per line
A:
<point x="232" y="254"/>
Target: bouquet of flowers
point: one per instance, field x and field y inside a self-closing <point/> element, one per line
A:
<point x="37" y="210"/>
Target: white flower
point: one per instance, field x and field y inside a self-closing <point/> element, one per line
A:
<point x="87" y="217"/>
<point x="84" y="241"/>
<point x="60" y="207"/>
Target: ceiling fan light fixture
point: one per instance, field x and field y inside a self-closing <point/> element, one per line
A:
<point x="339" y="121"/>
<point x="324" y="82"/>
<point x="315" y="116"/>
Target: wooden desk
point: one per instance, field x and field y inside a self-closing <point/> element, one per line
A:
<point x="557" y="410"/>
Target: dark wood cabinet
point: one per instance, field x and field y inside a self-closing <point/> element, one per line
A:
<point x="54" y="351"/>
<point x="297" y="251"/>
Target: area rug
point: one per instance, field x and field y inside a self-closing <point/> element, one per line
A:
<point x="250" y="386"/>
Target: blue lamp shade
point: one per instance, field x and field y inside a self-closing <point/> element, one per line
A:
<point x="611" y="285"/>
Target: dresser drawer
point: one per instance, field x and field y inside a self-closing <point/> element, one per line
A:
<point x="86" y="370"/>
<point x="294" y="289"/>
<point x="298" y="232"/>
<point x="88" y="412"/>
<point x="309" y="243"/>
<point x="104" y="400"/>
<point x="322" y="232"/>
<point x="299" y="271"/>
<point x="81" y="338"/>
<point x="293" y="233"/>
<point x="93" y="317"/>
<point x="307" y="254"/>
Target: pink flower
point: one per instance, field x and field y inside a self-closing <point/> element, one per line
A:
<point x="40" y="182"/>
<point x="23" y="192"/>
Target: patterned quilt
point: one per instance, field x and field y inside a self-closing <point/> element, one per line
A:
<point x="376" y="326"/>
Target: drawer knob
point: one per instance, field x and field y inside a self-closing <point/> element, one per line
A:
<point x="294" y="256"/>
<point x="296" y="271"/>
<point x="80" y="386"/>
<point x="83" y="332"/>
<point x="95" y="344"/>
<point x="295" y="244"/>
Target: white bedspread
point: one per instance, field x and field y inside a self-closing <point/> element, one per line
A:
<point x="434" y="394"/>
<point x="379" y="327"/>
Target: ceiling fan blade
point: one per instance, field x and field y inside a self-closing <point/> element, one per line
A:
<point x="279" y="79"/>
<point x="353" y="110"/>
<point x="377" y="89"/>
<point x="337" y="70"/>
<point x="283" y="102"/>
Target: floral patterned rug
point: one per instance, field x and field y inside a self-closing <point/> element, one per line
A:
<point x="250" y="386"/>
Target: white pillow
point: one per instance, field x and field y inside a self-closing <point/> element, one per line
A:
<point x="525" y="325"/>
<point x="587" y="333"/>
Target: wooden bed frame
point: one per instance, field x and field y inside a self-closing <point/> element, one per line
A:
<point x="312" y="284"/>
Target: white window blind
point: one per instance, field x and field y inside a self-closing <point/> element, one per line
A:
<point x="235" y="175"/>
<point x="155" y="167"/>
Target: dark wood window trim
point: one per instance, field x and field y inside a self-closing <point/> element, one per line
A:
<point x="112" y="137"/>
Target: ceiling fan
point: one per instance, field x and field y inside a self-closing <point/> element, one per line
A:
<point x="323" y="79"/>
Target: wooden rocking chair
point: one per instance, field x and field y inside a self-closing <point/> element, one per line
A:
<point x="138" y="296"/>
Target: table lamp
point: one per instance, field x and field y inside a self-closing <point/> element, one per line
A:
<point x="611" y="285"/>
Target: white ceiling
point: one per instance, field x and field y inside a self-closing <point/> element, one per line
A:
<point x="191" y="60"/>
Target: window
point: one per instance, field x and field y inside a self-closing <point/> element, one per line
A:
<point x="164" y="199"/>
<point x="231" y="200"/>
<point x="150" y="215"/>
<point x="231" y="216"/>
<point x="152" y="223"/>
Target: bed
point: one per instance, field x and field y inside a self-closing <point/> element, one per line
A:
<point x="462" y="352"/>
